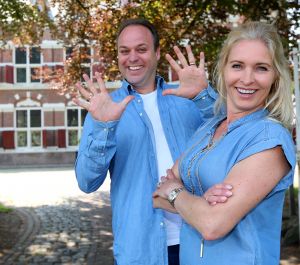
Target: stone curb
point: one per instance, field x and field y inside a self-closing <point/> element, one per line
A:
<point x="31" y="227"/>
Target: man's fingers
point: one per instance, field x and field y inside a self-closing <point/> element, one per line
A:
<point x="169" y="92"/>
<point x="82" y="103"/>
<point x="191" y="57"/>
<point x="90" y="84"/>
<point x="180" y="56"/>
<point x="86" y="94"/>
<point x="126" y="100"/>
<point x="101" y="83"/>
<point x="202" y="60"/>
<point x="173" y="63"/>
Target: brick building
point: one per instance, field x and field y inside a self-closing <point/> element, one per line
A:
<point x="37" y="125"/>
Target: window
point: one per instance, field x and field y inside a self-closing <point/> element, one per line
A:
<point x="35" y="55"/>
<point x="28" y="65"/>
<point x="35" y="75"/>
<point x="54" y="55"/>
<point x="75" y="119"/>
<point x="28" y="128"/>
<point x="6" y="56"/>
<point x="21" y="75"/>
<point x="21" y="55"/>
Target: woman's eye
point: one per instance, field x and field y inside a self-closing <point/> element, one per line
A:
<point x="262" y="68"/>
<point x="236" y="66"/>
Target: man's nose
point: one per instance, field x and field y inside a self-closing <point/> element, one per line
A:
<point x="133" y="56"/>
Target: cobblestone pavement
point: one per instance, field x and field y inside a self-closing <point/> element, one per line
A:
<point x="61" y="224"/>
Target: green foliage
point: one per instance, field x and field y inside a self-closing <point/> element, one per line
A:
<point x="4" y="209"/>
<point x="23" y="23"/>
<point x="204" y="24"/>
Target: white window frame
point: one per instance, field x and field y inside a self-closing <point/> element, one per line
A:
<point x="28" y="129"/>
<point x="28" y="66"/>
<point x="78" y="128"/>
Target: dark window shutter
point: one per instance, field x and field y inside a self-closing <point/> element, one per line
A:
<point x="9" y="74"/>
<point x="44" y="138"/>
<point x="61" y="134"/>
<point x="8" y="140"/>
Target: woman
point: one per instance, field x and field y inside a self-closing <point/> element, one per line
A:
<point x="247" y="144"/>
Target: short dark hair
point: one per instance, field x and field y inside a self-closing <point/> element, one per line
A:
<point x="141" y="22"/>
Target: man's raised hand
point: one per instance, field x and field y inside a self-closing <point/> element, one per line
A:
<point x="192" y="77"/>
<point x="98" y="102"/>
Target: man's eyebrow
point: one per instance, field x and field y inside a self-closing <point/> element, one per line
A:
<point x="139" y="45"/>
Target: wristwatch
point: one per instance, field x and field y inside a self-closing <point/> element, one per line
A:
<point x="173" y="195"/>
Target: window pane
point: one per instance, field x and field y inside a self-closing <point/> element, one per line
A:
<point x="35" y="74"/>
<point x="21" y="118"/>
<point x="21" y="75"/>
<point x="35" y="55"/>
<point x="69" y="52"/>
<point x="86" y="54"/>
<point x="36" y="138"/>
<point x="87" y="71"/>
<point x="83" y="114"/>
<point x="35" y="118"/>
<point x="73" y="138"/>
<point x="6" y="56"/>
<point x="20" y="55"/>
<point x="72" y="116"/>
<point x="22" y="139"/>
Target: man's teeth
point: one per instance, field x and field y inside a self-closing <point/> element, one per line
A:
<point x="246" y="91"/>
<point x="135" y="67"/>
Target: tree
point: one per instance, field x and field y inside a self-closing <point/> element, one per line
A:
<point x="23" y="23"/>
<point x="205" y="24"/>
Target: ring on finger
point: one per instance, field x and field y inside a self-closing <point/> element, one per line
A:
<point x="90" y="96"/>
<point x="192" y="64"/>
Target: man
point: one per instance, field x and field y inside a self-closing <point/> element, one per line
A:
<point x="136" y="133"/>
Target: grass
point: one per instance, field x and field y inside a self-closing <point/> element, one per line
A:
<point x="4" y="209"/>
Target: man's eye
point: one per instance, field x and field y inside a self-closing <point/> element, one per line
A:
<point x="142" y="50"/>
<point x="124" y="52"/>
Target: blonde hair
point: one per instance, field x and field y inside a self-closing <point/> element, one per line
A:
<point x="279" y="101"/>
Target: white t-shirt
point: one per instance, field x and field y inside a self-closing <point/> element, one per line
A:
<point x="164" y="161"/>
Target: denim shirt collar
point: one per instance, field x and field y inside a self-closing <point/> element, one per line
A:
<point x="261" y="113"/>
<point x="159" y="81"/>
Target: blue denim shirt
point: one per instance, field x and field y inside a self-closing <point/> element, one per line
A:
<point x="127" y="149"/>
<point x="256" y="238"/>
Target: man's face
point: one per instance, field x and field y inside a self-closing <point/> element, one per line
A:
<point x="137" y="58"/>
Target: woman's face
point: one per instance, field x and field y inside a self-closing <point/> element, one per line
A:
<point x="248" y="75"/>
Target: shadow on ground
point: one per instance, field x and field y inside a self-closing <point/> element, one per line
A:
<point x="75" y="232"/>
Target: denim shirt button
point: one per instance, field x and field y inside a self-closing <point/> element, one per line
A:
<point x="161" y="224"/>
<point x="141" y="114"/>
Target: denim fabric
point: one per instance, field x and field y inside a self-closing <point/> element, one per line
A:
<point x="256" y="238"/>
<point x="126" y="149"/>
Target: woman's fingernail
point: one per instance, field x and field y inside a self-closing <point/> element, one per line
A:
<point x="228" y="186"/>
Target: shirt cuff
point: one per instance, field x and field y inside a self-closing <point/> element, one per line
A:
<point x="209" y="91"/>
<point x="102" y="129"/>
